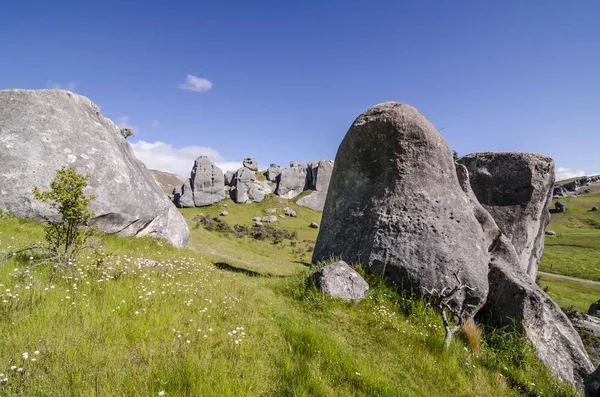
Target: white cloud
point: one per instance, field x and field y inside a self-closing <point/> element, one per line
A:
<point x="155" y="123"/>
<point x="196" y="84"/>
<point x="70" y="85"/>
<point x="164" y="157"/>
<point x="563" y="173"/>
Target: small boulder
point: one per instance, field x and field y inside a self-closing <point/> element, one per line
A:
<point x="314" y="225"/>
<point x="594" y="208"/>
<point x="258" y="223"/>
<point x="341" y="281"/>
<point x="289" y="212"/>
<point x="594" y="309"/>
<point x="271" y="210"/>
<point x="256" y="218"/>
<point x="550" y="233"/>
<point x="224" y="213"/>
<point x="270" y="219"/>
<point x="560" y="207"/>
<point x="250" y="163"/>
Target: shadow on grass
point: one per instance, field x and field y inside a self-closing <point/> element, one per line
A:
<point x="250" y="273"/>
<point x="307" y="264"/>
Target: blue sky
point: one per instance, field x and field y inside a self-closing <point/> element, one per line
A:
<point x="283" y="80"/>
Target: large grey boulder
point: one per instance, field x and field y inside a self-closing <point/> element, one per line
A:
<point x="515" y="301"/>
<point x="229" y="177"/>
<point x="516" y="189"/>
<point x="208" y="182"/>
<point x="291" y="181"/>
<point x="396" y="206"/>
<point x="273" y="172"/>
<point x="320" y="177"/>
<point x="246" y="189"/>
<point x="341" y="281"/>
<point x="43" y="130"/>
<point x="250" y="163"/>
<point x="183" y="196"/>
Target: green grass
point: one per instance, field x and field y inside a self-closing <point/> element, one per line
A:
<point x="124" y="329"/>
<point x="575" y="251"/>
<point x="568" y="293"/>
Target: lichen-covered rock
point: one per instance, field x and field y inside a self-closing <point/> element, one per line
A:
<point x="341" y="281"/>
<point x="516" y="189"/>
<point x="395" y="205"/>
<point x="43" y="130"/>
<point x="208" y="182"/>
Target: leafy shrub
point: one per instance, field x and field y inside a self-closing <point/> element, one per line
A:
<point x="68" y="235"/>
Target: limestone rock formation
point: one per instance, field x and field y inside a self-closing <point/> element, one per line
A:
<point x="246" y="189"/>
<point x="291" y="181"/>
<point x="229" y="177"/>
<point x="515" y="299"/>
<point x="273" y="172"/>
<point x="183" y="196"/>
<point x="250" y="163"/>
<point x="320" y="177"/>
<point x="341" y="281"/>
<point x="516" y="189"/>
<point x="208" y="182"/>
<point x="43" y="130"/>
<point x="396" y="206"/>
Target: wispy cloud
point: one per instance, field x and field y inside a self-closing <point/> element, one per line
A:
<point x="70" y="85"/>
<point x="563" y="173"/>
<point x="155" y="123"/>
<point x="196" y="84"/>
<point x="164" y="157"/>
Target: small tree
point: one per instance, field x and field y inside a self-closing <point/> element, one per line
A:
<point x="126" y="132"/>
<point x="442" y="301"/>
<point x="67" y="236"/>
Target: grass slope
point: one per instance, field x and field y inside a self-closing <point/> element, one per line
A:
<point x="575" y="251"/>
<point x="182" y="325"/>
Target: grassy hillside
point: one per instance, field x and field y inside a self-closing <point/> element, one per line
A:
<point x="575" y="251"/>
<point x="231" y="316"/>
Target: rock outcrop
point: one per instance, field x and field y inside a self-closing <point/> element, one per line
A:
<point x="516" y="189"/>
<point x="183" y="196"/>
<point x="515" y="301"/>
<point x="208" y="182"/>
<point x="320" y="177"/>
<point x="273" y="172"/>
<point x="291" y="181"/>
<point x="250" y="163"/>
<point x="396" y="206"/>
<point x="43" y="130"/>
<point x="341" y="281"/>
<point x="246" y="189"/>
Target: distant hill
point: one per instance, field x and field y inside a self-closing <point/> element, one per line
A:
<point x="167" y="181"/>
